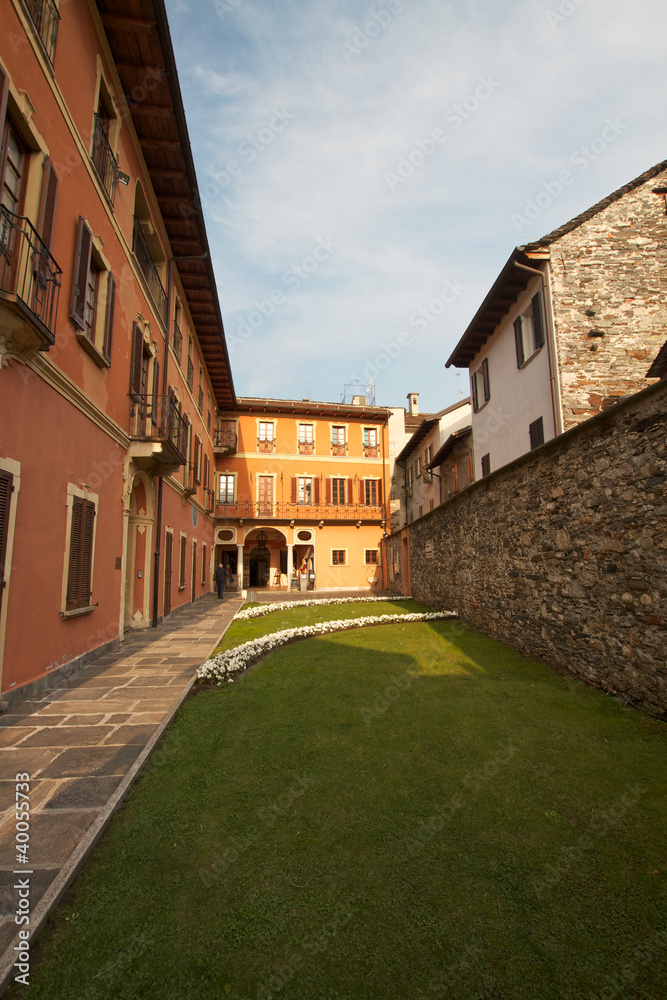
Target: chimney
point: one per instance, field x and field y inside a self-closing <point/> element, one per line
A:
<point x="413" y="404"/>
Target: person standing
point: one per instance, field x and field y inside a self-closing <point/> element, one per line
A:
<point x="219" y="577"/>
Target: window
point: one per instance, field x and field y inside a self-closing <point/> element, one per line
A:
<point x="338" y="446"/>
<point x="181" y="563"/>
<point x="306" y="442"/>
<point x="370" y="442"/>
<point x="80" y="556"/>
<point x="13" y="168"/>
<point x="93" y="298"/>
<point x="481" y="392"/>
<point x="536" y="431"/>
<point x="338" y="557"/>
<point x="226" y="489"/>
<point x="305" y="490"/>
<point x="139" y="366"/>
<point x="190" y="373"/>
<point x="486" y="465"/>
<point x="428" y="455"/>
<point x="266" y="435"/>
<point x="177" y="339"/>
<point x="46" y="18"/>
<point x="529" y="331"/>
<point x="371" y="557"/>
<point x="418" y="467"/>
<point x="371" y="492"/>
<point x="431" y="504"/>
<point x="421" y="509"/>
<point x="337" y="487"/>
<point x="6" y="490"/>
<point x="104" y="161"/>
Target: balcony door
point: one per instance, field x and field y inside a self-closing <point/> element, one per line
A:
<point x="265" y="496"/>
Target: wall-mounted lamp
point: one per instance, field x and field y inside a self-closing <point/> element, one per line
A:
<point x="122" y="178"/>
<point x="321" y="524"/>
<point x="358" y="524"/>
<point x="291" y="524"/>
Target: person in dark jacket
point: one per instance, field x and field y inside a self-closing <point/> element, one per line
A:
<point x="220" y="576"/>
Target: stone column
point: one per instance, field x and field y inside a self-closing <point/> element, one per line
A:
<point x="290" y="566"/>
<point x="239" y="566"/>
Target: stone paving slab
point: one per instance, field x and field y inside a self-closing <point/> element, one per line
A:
<point x="83" y="744"/>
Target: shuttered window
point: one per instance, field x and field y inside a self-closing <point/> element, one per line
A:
<point x="136" y="368"/>
<point x="80" y="554"/>
<point x="518" y="341"/>
<point x="181" y="567"/>
<point x="486" y="465"/>
<point x="48" y="206"/>
<point x="536" y="432"/>
<point x="108" y="319"/>
<point x="538" y="321"/>
<point x="6" y="489"/>
<point x="371" y="492"/>
<point x="84" y="246"/>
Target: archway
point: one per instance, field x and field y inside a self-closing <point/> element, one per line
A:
<point x="265" y="558"/>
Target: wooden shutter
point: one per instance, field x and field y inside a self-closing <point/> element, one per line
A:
<point x="80" y="554"/>
<point x="4" y="90"/>
<point x="108" y="320"/>
<point x="84" y="245"/>
<point x="485" y="379"/>
<point x="473" y="387"/>
<point x="362" y="491"/>
<point x="295" y="489"/>
<point x="327" y="485"/>
<point x="137" y="360"/>
<point x="518" y="341"/>
<point x="6" y="490"/>
<point x="316" y="491"/>
<point x="47" y="210"/>
<point x="155" y="414"/>
<point x="538" y="322"/>
<point x="379" y="496"/>
<point x="181" y="581"/>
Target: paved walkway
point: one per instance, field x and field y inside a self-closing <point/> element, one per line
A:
<point x="83" y="744"/>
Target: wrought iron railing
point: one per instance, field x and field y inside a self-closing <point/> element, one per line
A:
<point x="104" y="160"/>
<point x="370" y="451"/>
<point x="191" y="373"/>
<point x="142" y="252"/>
<point x="200" y="399"/>
<point x="338" y="449"/>
<point x="225" y="437"/>
<point x="178" y="342"/>
<point x="27" y="268"/>
<point x="266" y="447"/>
<point x="159" y="417"/>
<point x="299" y="512"/>
<point x="46" y="18"/>
<point x="306" y="448"/>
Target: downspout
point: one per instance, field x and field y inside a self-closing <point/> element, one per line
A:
<point x="551" y="346"/>
<point x="165" y="382"/>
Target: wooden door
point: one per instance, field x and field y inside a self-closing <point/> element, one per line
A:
<point x="168" y="552"/>
<point x="265" y="496"/>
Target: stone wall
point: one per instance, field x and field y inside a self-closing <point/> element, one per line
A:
<point x="608" y="277"/>
<point x="563" y="553"/>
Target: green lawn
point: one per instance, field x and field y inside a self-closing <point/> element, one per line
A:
<point x="401" y="811"/>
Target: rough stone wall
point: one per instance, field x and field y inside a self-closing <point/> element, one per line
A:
<point x="609" y="275"/>
<point x="563" y="553"/>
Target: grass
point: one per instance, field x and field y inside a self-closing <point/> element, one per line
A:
<point x="400" y="811"/>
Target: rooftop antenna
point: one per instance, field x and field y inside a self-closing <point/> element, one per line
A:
<point x="357" y="389"/>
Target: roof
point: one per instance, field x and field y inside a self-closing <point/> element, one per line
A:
<point x="512" y="280"/>
<point x="448" y="447"/>
<point x="659" y="367"/>
<point x="138" y="35"/>
<point x="419" y="435"/>
<point x="423" y="424"/>
<point x="309" y="407"/>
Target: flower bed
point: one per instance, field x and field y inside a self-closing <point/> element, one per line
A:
<point x="266" y="609"/>
<point x="223" y="665"/>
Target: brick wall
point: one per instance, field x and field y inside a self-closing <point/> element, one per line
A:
<point x="615" y="267"/>
<point x="563" y="553"/>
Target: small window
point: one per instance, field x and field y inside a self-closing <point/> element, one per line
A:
<point x="338" y="445"/>
<point x="536" y="431"/>
<point x="486" y="465"/>
<point x="338" y="491"/>
<point x="93" y="298"/>
<point x="529" y="331"/>
<point x="371" y="492"/>
<point x="226" y="489"/>
<point x="371" y="557"/>
<point x="370" y="442"/>
<point x="480" y="386"/>
<point x="338" y="557"/>
<point x="79" y="570"/>
<point x="265" y="438"/>
<point x="305" y="491"/>
<point x="306" y="439"/>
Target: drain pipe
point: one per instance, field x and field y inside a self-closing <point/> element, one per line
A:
<point x="165" y="382"/>
<point x="551" y="346"/>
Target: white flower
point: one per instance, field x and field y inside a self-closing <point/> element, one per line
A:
<point x="231" y="661"/>
<point x="267" y="609"/>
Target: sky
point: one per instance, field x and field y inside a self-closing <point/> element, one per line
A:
<point x="367" y="169"/>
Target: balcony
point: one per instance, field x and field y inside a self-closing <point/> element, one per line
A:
<point x="103" y="159"/>
<point x="265" y="447"/>
<point x="286" y="511"/>
<point x="159" y="434"/>
<point x="45" y="17"/>
<point x="178" y="342"/>
<point x="370" y="451"/>
<point x="338" y="449"/>
<point x="29" y="288"/>
<point x="306" y="448"/>
<point x="144" y="257"/>
<point x="224" y="439"/>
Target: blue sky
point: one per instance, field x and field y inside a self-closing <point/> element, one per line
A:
<point x="366" y="169"/>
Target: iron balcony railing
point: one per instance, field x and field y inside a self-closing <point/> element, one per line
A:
<point x="225" y="437"/>
<point x="286" y="511"/>
<point x="28" y="270"/>
<point x="142" y="252"/>
<point x="158" y="417"/>
<point x="370" y="451"/>
<point x="338" y="449"/>
<point x="178" y="342"/>
<point x="306" y="448"/>
<point x="45" y="17"/>
<point x="104" y="160"/>
<point x="190" y="373"/>
<point x="200" y="399"/>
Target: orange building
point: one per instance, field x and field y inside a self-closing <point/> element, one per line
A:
<point x="301" y="493"/>
<point x="112" y="350"/>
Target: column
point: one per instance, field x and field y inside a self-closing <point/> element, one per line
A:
<point x="290" y="566"/>
<point x="239" y="566"/>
